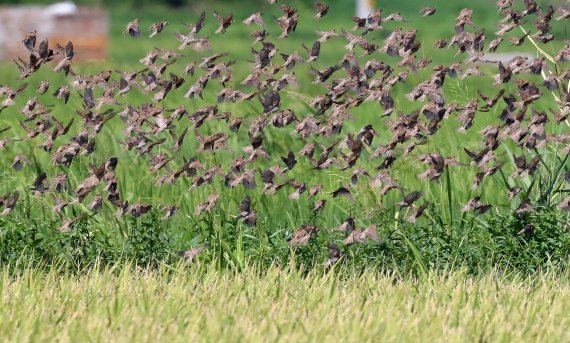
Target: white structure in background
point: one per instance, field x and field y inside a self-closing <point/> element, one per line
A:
<point x="364" y="7"/>
<point x="62" y="8"/>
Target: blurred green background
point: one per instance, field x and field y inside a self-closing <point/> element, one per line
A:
<point x="443" y="226"/>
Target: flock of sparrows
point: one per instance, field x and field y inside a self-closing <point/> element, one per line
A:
<point x="345" y="85"/>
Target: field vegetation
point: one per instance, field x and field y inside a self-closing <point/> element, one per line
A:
<point x="527" y="232"/>
<point x="181" y="304"/>
<point x="443" y="236"/>
<point x="439" y="218"/>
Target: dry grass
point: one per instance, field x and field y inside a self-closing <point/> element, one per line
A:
<point x="196" y="304"/>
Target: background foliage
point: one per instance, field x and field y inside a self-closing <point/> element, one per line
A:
<point x="445" y="238"/>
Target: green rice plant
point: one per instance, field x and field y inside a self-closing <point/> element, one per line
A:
<point x="443" y="236"/>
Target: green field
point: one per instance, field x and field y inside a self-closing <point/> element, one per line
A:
<point x="450" y="276"/>
<point x="442" y="236"/>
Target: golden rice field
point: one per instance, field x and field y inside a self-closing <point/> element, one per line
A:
<point x="200" y="304"/>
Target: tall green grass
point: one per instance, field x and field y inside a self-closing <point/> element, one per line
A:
<point x="444" y="236"/>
